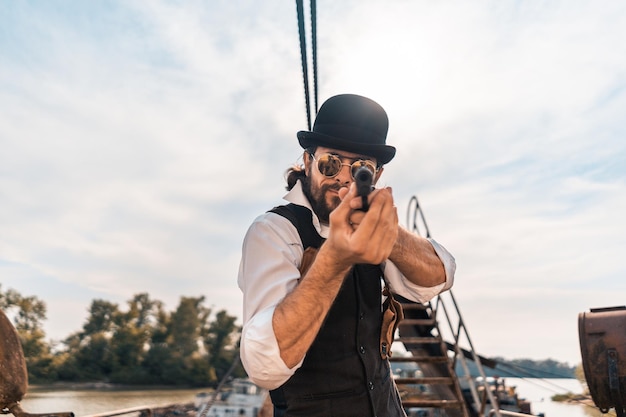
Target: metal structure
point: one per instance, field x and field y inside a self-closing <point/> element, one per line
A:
<point x="507" y="413"/>
<point x="602" y="334"/>
<point x="434" y="334"/>
<point x="205" y="408"/>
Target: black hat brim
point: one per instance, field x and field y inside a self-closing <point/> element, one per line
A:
<point x="382" y="153"/>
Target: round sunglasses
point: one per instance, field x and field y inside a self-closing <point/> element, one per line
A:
<point x="330" y="165"/>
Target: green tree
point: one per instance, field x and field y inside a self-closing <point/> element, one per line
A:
<point x="101" y="319"/>
<point x="219" y="342"/>
<point x="131" y="335"/>
<point x="187" y="325"/>
<point x="28" y="315"/>
<point x="9" y="298"/>
<point x="89" y="356"/>
<point x="143" y="344"/>
<point x="95" y="359"/>
<point x="580" y="376"/>
<point x="159" y="356"/>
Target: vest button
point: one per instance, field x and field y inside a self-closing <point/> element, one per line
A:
<point x="362" y="349"/>
<point x="370" y="385"/>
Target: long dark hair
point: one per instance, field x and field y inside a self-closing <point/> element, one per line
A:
<point x="297" y="172"/>
<point x="293" y="174"/>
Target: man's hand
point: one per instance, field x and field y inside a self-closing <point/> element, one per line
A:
<point x="363" y="237"/>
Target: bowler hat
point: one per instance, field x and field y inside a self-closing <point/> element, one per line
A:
<point x="351" y="123"/>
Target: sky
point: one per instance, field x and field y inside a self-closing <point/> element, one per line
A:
<point x="139" y="139"/>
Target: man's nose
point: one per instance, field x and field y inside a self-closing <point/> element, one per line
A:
<point x="344" y="177"/>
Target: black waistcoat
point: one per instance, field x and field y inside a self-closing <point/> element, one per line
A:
<point x="343" y="374"/>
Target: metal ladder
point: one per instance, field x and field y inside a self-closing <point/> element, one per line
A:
<point x="426" y="374"/>
<point x="425" y="377"/>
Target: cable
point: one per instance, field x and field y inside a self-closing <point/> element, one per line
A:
<point x="314" y="46"/>
<point x="305" y="73"/>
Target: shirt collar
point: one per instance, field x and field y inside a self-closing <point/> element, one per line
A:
<point x="296" y="196"/>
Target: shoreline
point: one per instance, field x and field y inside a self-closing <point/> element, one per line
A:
<point x="100" y="399"/>
<point x="107" y="386"/>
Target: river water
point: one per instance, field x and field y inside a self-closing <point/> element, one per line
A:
<point x="539" y="392"/>
<point x="85" y="402"/>
<point x="88" y="402"/>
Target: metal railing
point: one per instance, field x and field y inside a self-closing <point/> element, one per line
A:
<point x="416" y="222"/>
<point x="509" y="413"/>
<point x="146" y="411"/>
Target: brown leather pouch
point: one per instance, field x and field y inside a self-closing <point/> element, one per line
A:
<point x="307" y="260"/>
<point x="392" y="315"/>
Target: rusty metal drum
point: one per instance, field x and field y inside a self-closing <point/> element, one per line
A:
<point x="602" y="334"/>
<point x="13" y="375"/>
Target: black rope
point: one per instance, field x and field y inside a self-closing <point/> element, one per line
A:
<point x="314" y="45"/>
<point x="305" y="73"/>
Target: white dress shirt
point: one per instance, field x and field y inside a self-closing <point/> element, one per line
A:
<point x="271" y="255"/>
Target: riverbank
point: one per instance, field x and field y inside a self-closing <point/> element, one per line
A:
<point x="556" y="397"/>
<point x="584" y="400"/>
<point x="185" y="409"/>
<point x="106" y="386"/>
<point x="97" y="399"/>
<point x="177" y="409"/>
<point x="573" y="398"/>
<point x="88" y="400"/>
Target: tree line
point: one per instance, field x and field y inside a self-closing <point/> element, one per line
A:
<point x="139" y="344"/>
<point x="522" y="368"/>
<point x="143" y="344"/>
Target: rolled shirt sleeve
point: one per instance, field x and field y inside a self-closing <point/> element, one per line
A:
<point x="260" y="354"/>
<point x="407" y="289"/>
<point x="272" y="251"/>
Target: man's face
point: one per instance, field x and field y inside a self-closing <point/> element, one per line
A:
<point x="323" y="191"/>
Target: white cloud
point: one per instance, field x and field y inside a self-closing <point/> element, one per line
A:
<point x="138" y="142"/>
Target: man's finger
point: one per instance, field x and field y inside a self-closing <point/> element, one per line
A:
<point x="343" y="209"/>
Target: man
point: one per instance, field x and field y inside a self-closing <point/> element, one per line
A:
<point x="312" y="325"/>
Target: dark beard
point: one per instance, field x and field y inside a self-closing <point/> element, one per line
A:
<point x="317" y="198"/>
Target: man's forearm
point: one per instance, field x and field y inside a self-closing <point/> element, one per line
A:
<point x="299" y="316"/>
<point x="416" y="258"/>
